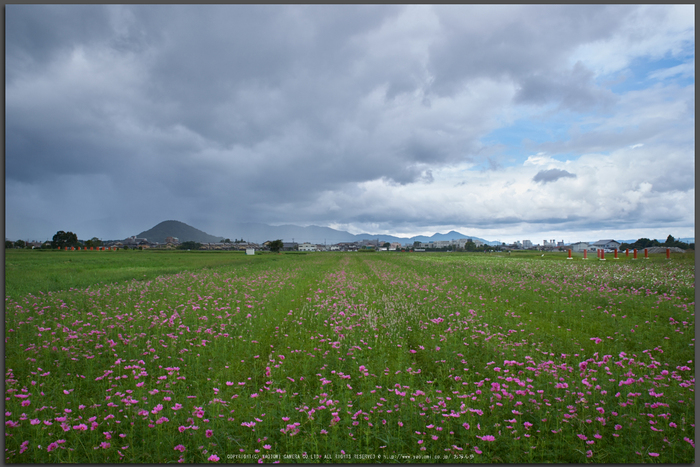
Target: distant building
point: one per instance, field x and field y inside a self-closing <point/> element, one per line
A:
<point x="608" y="244"/>
<point x="527" y="244"/>
<point x="306" y="247"/>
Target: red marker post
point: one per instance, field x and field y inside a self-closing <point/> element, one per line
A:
<point x="569" y="255"/>
<point x="585" y="254"/>
<point x="646" y="253"/>
<point x="602" y="254"/>
<point x="635" y="253"/>
<point x="668" y="253"/>
<point x="616" y="254"/>
<point x="627" y="252"/>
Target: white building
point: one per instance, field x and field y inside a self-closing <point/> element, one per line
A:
<point x="608" y="244"/>
<point x="527" y="244"/>
<point x="307" y="247"/>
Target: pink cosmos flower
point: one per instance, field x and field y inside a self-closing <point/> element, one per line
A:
<point x="267" y="446"/>
<point x="654" y="454"/>
<point x="589" y="453"/>
<point x="209" y="433"/>
<point x="51" y="447"/>
<point x="105" y="445"/>
<point x="180" y="448"/>
<point x="214" y="458"/>
<point x="177" y="406"/>
<point x="486" y="438"/>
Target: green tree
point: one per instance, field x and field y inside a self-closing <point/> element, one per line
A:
<point x="9" y="244"/>
<point x="93" y="242"/>
<point x="20" y="244"/>
<point x="670" y="241"/>
<point x="276" y="246"/>
<point x="64" y="239"/>
<point x="228" y="240"/>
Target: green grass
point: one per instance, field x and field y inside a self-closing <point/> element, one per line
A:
<point x="391" y="355"/>
<point x="31" y="271"/>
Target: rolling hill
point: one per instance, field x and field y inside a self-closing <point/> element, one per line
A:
<point x="182" y="231"/>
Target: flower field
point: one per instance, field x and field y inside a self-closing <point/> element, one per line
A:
<point x="378" y="358"/>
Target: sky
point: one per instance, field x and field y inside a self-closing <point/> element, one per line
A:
<point x="505" y="122"/>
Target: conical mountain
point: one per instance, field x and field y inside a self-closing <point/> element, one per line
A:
<point x="180" y="230"/>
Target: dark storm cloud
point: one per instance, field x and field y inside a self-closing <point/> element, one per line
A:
<point x="551" y="175"/>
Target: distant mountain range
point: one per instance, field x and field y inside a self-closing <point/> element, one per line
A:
<point x="259" y="233"/>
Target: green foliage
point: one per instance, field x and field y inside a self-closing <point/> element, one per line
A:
<point x="276" y="245"/>
<point x="64" y="239"/>
<point x="9" y="244"/>
<point x="93" y="242"/>
<point x="642" y="243"/>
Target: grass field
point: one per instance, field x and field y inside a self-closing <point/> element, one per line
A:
<point x="329" y="357"/>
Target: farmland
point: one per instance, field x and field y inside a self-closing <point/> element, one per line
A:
<point x="379" y="358"/>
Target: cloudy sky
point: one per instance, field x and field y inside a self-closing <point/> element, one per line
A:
<point x="504" y="122"/>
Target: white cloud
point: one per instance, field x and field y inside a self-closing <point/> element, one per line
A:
<point x="650" y="31"/>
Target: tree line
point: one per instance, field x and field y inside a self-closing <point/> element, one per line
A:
<point x="642" y="243"/>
